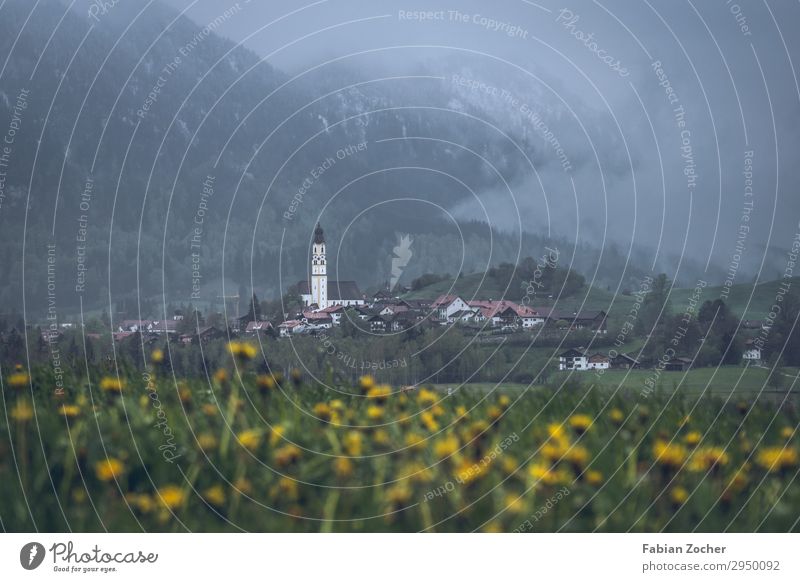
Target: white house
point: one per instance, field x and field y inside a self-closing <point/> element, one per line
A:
<point x="573" y="359"/>
<point x="291" y="326"/>
<point x="447" y="305"/>
<point x="598" y="361"/>
<point x="752" y="353"/>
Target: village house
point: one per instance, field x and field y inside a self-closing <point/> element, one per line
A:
<point x="678" y="364"/>
<point x="290" y="327"/>
<point x="255" y="328"/>
<point x="598" y="361"/>
<point x="447" y="305"/>
<point x="317" y="320"/>
<point x="751" y="353"/>
<point x="573" y="359"/>
<point x="623" y="362"/>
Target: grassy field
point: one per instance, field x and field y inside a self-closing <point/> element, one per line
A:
<point x="713" y="381"/>
<point x="723" y="381"/>
<point x="243" y="451"/>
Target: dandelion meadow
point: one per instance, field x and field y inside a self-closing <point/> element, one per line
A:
<point x="242" y="450"/>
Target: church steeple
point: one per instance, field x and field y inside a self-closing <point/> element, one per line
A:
<point x="319" y="236"/>
<point x="319" y="275"/>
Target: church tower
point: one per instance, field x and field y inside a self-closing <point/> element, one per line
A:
<point x="319" y="275"/>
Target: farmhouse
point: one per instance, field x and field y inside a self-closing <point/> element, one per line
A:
<point x="573" y="359"/>
<point x="446" y="305"/>
<point x="678" y="365"/>
<point x="289" y="327"/>
<point x="598" y="361"/>
<point x="752" y="353"/>
<point x="257" y="328"/>
<point x="623" y="362"/>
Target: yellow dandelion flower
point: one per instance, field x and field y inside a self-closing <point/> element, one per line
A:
<point x="509" y="464"/>
<point x="554" y="451"/>
<point x="494" y="413"/>
<point x="446" y="447"/>
<point x="185" y="394"/>
<point x="286" y="455"/>
<point x="415" y="441"/>
<point x="427" y="397"/>
<point x="577" y="456"/>
<point x="708" y="459"/>
<point x="352" y="443"/>
<point x="678" y="495"/>
<point x="289" y="488"/>
<point x="108" y="469"/>
<point x="777" y="459"/>
<point x="141" y="502"/>
<point x="22" y="411"/>
<point x="207" y="441"/>
<point x="172" y="496"/>
<point x="249" y="439"/>
<point x="111" y="385"/>
<point x="221" y="376"/>
<point x="593" y="478"/>
<point x="514" y="503"/>
<point x="322" y="411"/>
<point x="504" y="401"/>
<point x="580" y="423"/>
<point x="243" y="486"/>
<point x="157" y="356"/>
<point x="18" y="380"/>
<point x="342" y="467"/>
<point x="544" y="473"/>
<point x="738" y="481"/>
<point x="429" y="421"/>
<point x="669" y="455"/>
<point x="693" y="438"/>
<point x="616" y="416"/>
<point x="461" y="412"/>
<point x="468" y="472"/>
<point x="381" y="437"/>
<point x="379" y="393"/>
<point x="265" y="382"/>
<point x="276" y="435"/>
<point x="398" y="495"/>
<point x="415" y="472"/>
<point x="366" y="383"/>
<point x="787" y="432"/>
<point x="556" y="431"/>
<point x="374" y="412"/>
<point x="69" y="410"/>
<point x="215" y="495"/>
<point x="242" y="350"/>
<point x="210" y="409"/>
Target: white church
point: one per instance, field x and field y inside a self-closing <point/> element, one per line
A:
<point x="323" y="293"/>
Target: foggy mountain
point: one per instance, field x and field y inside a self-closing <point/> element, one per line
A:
<point x="138" y="123"/>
